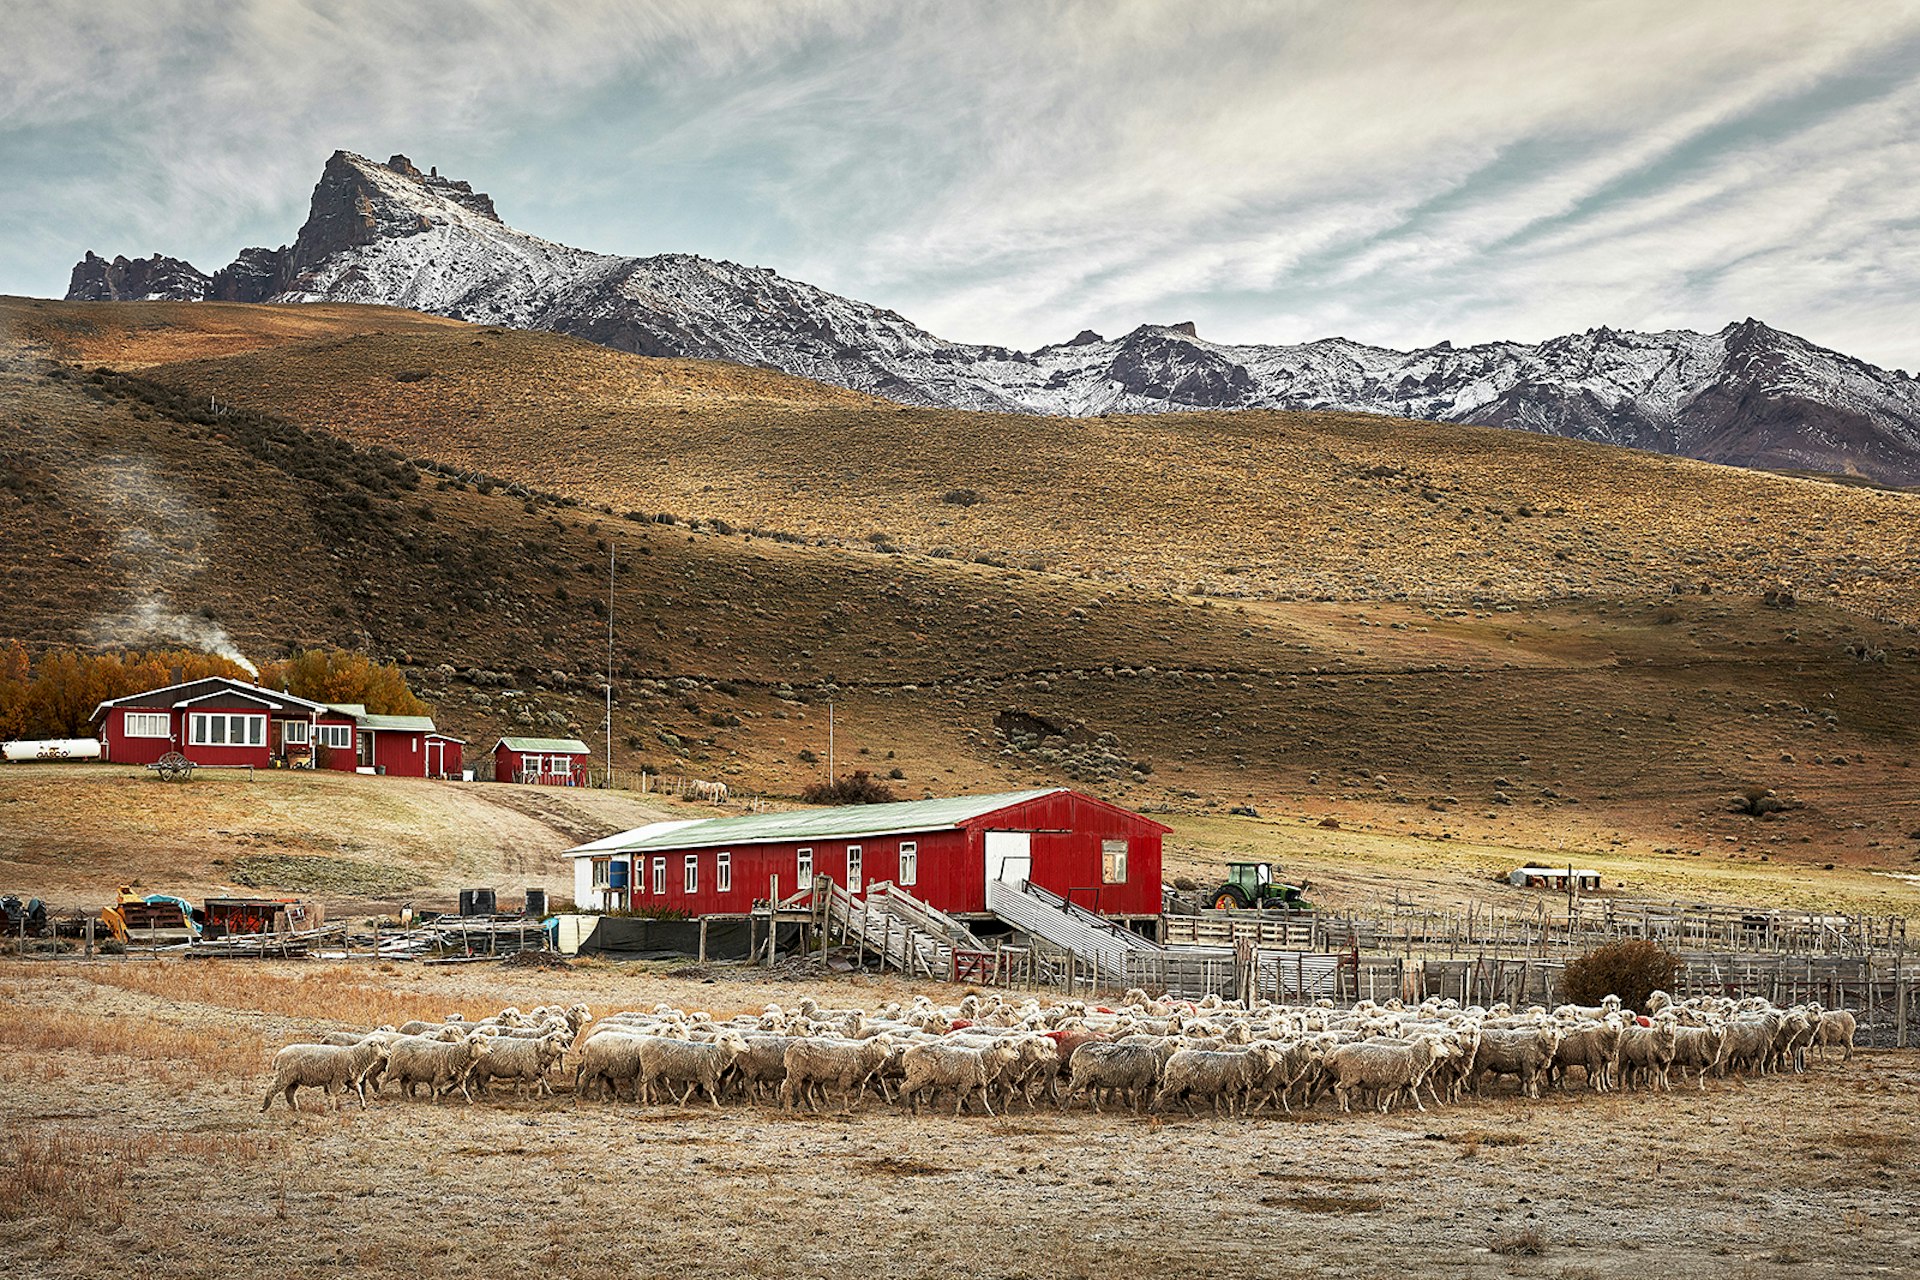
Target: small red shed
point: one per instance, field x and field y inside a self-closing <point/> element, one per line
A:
<point x="550" y="762"/>
<point x="1095" y="854"/>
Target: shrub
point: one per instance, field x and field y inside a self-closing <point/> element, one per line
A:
<point x="1632" y="970"/>
<point x="960" y="497"/>
<point x="809" y="756"/>
<point x="1756" y="802"/>
<point x="859" y="787"/>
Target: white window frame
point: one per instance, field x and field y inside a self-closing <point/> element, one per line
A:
<point x="335" y="737"/>
<point x="691" y="876"/>
<point x="660" y="875"/>
<point x="1113" y="861"/>
<point x="856" y="864"/>
<point x="803" y="867"/>
<point x="909" y="863"/>
<point x="296" y="733"/>
<point x="723" y="873"/>
<point x="200" y="729"/>
<point x="603" y="873"/>
<point x="148" y="722"/>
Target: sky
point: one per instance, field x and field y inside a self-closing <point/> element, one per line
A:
<point x="1400" y="172"/>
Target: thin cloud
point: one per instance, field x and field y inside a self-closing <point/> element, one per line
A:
<point x="1010" y="170"/>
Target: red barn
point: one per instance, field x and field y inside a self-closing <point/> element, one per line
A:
<point x="224" y="721"/>
<point x="552" y="762"/>
<point x="1096" y="855"/>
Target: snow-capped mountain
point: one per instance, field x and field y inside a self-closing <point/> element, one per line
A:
<point x="387" y="233"/>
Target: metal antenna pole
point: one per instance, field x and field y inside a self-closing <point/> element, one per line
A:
<point x="610" y="555"/>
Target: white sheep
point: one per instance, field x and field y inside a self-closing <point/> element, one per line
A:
<point x="1387" y="1068"/>
<point x="814" y="1063"/>
<point x="697" y="1065"/>
<point x="441" y="1065"/>
<point x="327" y="1067"/>
<point x="960" y="1067"/>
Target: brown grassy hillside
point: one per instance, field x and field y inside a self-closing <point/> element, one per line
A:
<point x="1616" y="717"/>
<point x="1256" y="505"/>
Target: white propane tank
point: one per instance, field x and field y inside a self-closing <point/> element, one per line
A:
<point x="52" y="749"/>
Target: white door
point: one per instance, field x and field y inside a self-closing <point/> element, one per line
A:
<point x="1009" y="856"/>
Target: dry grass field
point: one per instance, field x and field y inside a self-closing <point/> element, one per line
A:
<point x="76" y="834"/>
<point x="1540" y="655"/>
<point x="130" y="1095"/>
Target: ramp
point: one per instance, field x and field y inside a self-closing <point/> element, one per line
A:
<point x="1051" y="918"/>
<point x="896" y="928"/>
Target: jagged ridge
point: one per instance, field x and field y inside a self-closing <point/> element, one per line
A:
<point x="387" y="233"/>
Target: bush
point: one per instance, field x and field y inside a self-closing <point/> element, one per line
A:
<point x="1757" y="802"/>
<point x="1632" y="970"/>
<point x="859" y="787"/>
<point x="960" y="497"/>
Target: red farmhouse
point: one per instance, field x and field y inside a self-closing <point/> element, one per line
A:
<point x="223" y="721"/>
<point x="1094" y="854"/>
<point x="553" y="762"/>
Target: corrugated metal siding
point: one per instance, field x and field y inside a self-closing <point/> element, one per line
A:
<point x="952" y="867"/>
<point x="941" y="858"/>
<point x="1067" y="830"/>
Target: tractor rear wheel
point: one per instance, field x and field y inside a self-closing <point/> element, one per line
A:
<point x="1229" y="899"/>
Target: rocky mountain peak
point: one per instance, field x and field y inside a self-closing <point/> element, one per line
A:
<point x="158" y="278"/>
<point x="358" y="202"/>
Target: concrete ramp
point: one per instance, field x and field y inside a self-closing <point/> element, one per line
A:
<point x="1051" y="918"/>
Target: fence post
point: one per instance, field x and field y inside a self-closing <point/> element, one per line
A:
<point x="1900" y="998"/>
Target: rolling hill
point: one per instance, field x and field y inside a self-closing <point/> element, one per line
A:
<point x="1443" y="639"/>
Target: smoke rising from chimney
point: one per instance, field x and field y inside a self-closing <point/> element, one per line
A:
<point x="158" y="540"/>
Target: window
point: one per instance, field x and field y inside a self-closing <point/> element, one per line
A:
<point x="339" y="737"/>
<point x="853" y="868"/>
<point x="1113" y="862"/>
<point x="602" y="873"/>
<point x="219" y="729"/>
<point x="723" y="872"/>
<point x="803" y="868"/>
<point x="293" y="733"/>
<point x="659" y="875"/>
<point x="693" y="872"/>
<point x="909" y="862"/>
<point x="149" y="724"/>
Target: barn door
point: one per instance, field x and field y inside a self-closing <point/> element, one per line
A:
<point x="1009" y="856"/>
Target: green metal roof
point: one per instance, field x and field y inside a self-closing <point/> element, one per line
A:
<point x="566" y="746"/>
<point x="404" y="724"/>
<point x="847" y="821"/>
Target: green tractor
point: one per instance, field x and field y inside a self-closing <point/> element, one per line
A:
<point x="1251" y="884"/>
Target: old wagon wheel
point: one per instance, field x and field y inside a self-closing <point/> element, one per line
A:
<point x="174" y="767"/>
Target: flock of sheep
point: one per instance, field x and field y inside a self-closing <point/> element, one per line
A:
<point x="1140" y="1052"/>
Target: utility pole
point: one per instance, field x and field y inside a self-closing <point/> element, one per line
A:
<point x="830" y="773"/>
<point x="609" y="726"/>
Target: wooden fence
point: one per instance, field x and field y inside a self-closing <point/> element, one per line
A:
<point x="1551" y="929"/>
<point x="1883" y="993"/>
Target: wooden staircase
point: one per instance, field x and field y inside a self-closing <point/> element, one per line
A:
<point x="894" y="927"/>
